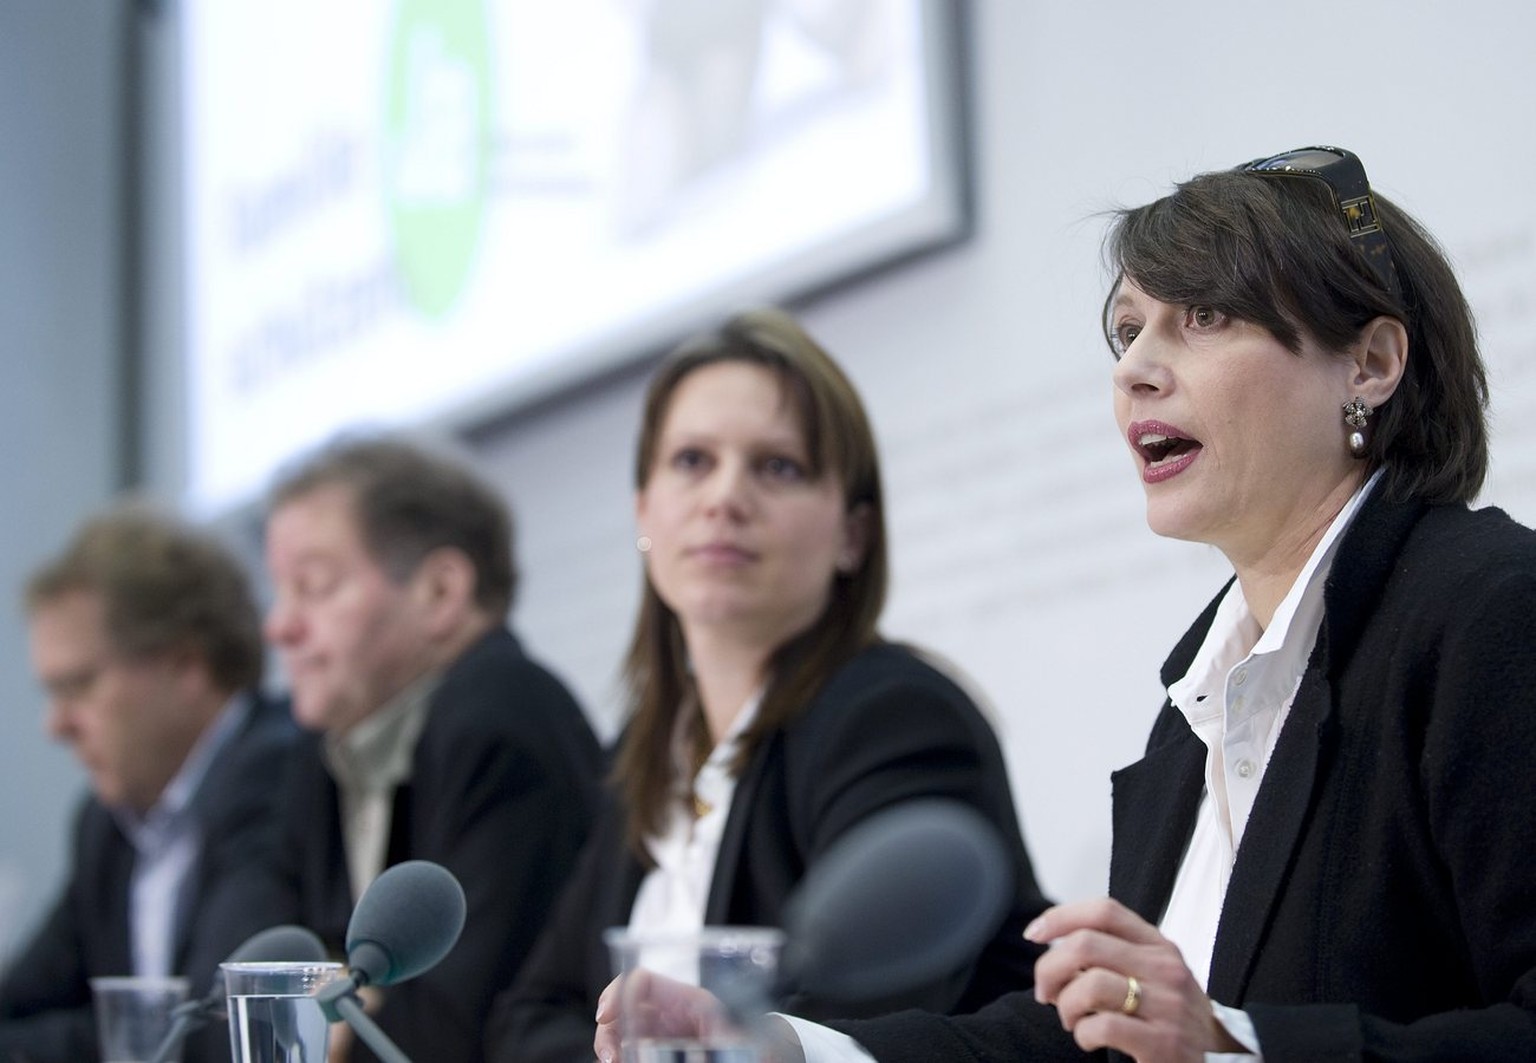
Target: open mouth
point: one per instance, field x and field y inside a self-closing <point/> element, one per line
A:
<point x="1158" y="449"/>
<point x="1164" y="449"/>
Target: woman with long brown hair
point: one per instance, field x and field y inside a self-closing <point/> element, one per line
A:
<point x="768" y="716"/>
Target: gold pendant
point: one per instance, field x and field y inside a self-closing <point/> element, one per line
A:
<point x="701" y="807"/>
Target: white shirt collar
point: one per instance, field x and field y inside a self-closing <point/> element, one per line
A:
<point x="1235" y="637"/>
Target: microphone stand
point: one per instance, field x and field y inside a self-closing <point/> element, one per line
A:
<point x="338" y="1000"/>
<point x="187" y="1016"/>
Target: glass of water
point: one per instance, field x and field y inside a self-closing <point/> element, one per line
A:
<point x="663" y="1018"/>
<point x="134" y="1015"/>
<point x="273" y="1014"/>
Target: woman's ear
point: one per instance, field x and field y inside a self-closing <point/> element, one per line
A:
<point x="1380" y="358"/>
<point x="856" y="530"/>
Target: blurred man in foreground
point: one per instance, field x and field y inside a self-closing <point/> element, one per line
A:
<point x="147" y="642"/>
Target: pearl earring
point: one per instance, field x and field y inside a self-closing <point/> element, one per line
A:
<point x="1356" y="412"/>
<point x="643" y="544"/>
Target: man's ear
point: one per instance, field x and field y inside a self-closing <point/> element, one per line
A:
<point x="1380" y="357"/>
<point x="444" y="586"/>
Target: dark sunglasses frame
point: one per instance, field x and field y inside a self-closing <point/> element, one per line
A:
<point x="1344" y="175"/>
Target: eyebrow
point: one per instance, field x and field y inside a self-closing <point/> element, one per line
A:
<point x="788" y="440"/>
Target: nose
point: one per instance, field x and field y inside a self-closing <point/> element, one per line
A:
<point x="727" y="492"/>
<point x="58" y="721"/>
<point x="283" y="623"/>
<point x="1141" y="370"/>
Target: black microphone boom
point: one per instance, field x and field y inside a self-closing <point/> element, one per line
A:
<point x="276" y="944"/>
<point x="405" y="922"/>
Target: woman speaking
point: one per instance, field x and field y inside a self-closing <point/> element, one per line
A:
<point x="1324" y="852"/>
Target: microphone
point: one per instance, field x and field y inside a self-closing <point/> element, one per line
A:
<point x="405" y="922"/>
<point x="273" y="945"/>
<point x="906" y="896"/>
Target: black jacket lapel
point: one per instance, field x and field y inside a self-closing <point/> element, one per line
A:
<point x="733" y="839"/>
<point x="1154" y="802"/>
<point x="1360" y="570"/>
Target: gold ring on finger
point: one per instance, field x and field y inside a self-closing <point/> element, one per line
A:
<point x="1132" y="1002"/>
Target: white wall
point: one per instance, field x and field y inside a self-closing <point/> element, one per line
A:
<point x="1019" y="547"/>
<point x="59" y="379"/>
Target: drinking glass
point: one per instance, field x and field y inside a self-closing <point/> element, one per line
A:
<point x="273" y="1016"/>
<point x="736" y="965"/>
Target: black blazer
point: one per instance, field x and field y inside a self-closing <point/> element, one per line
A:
<point x="45" y="999"/>
<point x="502" y="792"/>
<point x="1382" y="904"/>
<point x="886" y="728"/>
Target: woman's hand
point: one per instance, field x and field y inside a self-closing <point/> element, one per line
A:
<point x="1118" y="983"/>
<point x="660" y="1006"/>
<point x="669" y="1009"/>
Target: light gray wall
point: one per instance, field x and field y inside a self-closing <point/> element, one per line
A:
<point x="1019" y="547"/>
<point x="59" y="377"/>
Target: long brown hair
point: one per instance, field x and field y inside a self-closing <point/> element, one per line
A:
<point x="839" y="442"/>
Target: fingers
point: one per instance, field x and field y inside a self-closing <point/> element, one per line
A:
<point x="1098" y="934"/>
<point x="1116" y="982"/>
<point x="605" y="1043"/>
<point x="607" y="1001"/>
<point x="1101" y="992"/>
<point x="643" y="1003"/>
<point x="1086" y="951"/>
<point x="1101" y="914"/>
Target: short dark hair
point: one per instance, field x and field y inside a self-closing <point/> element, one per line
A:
<point x="1276" y="252"/>
<point x="410" y="500"/>
<point x="164" y="587"/>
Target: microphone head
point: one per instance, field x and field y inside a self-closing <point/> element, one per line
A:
<point x="907" y="896"/>
<point x="404" y="923"/>
<point x="276" y="944"/>
<point x="280" y="944"/>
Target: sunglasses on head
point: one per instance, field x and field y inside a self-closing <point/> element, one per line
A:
<point x="1344" y="175"/>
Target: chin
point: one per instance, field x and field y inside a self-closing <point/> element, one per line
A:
<point x="1170" y="523"/>
<point x="311" y="713"/>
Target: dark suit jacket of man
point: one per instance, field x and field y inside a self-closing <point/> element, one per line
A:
<point x="502" y="793"/>
<point x="45" y="1000"/>
<point x="1382" y="905"/>
<point x="886" y="728"/>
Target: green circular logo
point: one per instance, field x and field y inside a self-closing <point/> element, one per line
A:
<point x="438" y="146"/>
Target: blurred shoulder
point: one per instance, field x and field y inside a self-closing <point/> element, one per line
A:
<point x="890" y="664"/>
<point x="894" y="680"/>
<point x="1453" y="546"/>
<point x="269" y="729"/>
<point x="496" y="680"/>
<point x="495" y="703"/>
